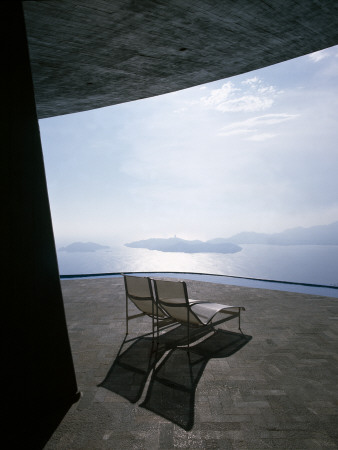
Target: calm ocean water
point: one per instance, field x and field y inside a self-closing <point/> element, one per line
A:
<point x="315" y="264"/>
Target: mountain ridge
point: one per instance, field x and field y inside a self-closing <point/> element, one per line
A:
<point x="316" y="235"/>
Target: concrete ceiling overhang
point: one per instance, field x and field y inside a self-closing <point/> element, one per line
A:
<point x="90" y="54"/>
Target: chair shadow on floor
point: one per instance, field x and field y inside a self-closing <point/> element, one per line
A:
<point x="175" y="371"/>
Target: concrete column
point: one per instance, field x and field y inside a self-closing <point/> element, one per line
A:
<point x="40" y="383"/>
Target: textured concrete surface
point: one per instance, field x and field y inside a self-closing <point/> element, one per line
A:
<point x="278" y="391"/>
<point x="89" y="54"/>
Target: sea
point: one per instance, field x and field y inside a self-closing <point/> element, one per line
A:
<point x="299" y="264"/>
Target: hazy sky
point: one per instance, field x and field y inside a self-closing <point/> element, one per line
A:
<point x="255" y="152"/>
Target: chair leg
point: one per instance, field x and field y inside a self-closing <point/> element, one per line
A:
<point x="188" y="331"/>
<point x="153" y="321"/>
<point x="127" y="315"/>
<point x="188" y="338"/>
<point x="239" y="321"/>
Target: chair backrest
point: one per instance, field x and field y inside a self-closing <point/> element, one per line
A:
<point x="139" y="290"/>
<point x="172" y="297"/>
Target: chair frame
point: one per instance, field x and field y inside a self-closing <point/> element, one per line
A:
<point x="157" y="322"/>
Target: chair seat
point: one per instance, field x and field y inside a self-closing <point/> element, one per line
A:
<point x="206" y="311"/>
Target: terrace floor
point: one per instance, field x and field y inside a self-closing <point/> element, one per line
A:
<point x="275" y="389"/>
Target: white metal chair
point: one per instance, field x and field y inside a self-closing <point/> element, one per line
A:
<point x="139" y="291"/>
<point x="172" y="297"/>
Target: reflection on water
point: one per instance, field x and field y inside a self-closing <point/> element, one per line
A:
<point x="297" y="263"/>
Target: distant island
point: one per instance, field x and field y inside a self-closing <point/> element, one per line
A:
<point x="181" y="245"/>
<point x="317" y="235"/>
<point x="83" y="247"/>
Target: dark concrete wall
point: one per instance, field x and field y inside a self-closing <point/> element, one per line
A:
<point x="40" y="382"/>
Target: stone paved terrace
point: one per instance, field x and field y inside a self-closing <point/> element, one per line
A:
<point x="277" y="391"/>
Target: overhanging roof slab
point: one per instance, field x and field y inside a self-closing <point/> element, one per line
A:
<point x="90" y="54"/>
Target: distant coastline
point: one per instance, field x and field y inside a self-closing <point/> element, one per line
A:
<point x="317" y="235"/>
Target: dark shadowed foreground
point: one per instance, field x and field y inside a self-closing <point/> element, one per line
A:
<point x="273" y="388"/>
